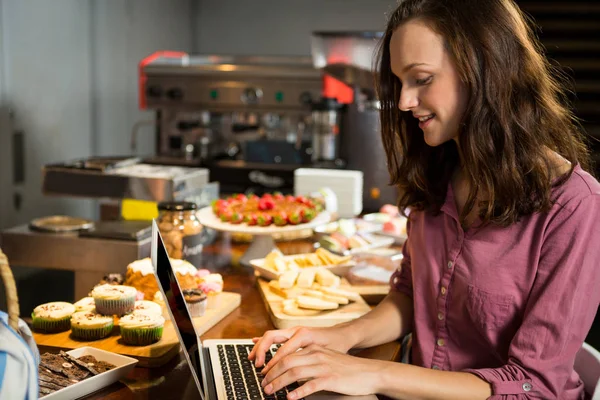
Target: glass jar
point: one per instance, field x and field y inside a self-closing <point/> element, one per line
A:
<point x="181" y="231"/>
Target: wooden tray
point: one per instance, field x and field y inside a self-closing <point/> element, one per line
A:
<point x="154" y="355"/>
<point x="326" y="318"/>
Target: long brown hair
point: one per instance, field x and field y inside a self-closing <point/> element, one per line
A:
<point x="516" y="111"/>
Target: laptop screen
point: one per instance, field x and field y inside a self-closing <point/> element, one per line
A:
<point x="176" y="304"/>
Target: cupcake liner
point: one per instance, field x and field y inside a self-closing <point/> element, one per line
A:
<point x="88" y="334"/>
<point x="118" y="307"/>
<point x="51" y="325"/>
<point x="141" y="337"/>
<point x="197" y="309"/>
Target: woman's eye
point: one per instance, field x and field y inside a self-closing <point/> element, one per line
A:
<point x="424" y="81"/>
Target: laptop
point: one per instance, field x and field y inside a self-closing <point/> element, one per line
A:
<point x="220" y="367"/>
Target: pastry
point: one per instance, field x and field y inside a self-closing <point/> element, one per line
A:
<point x="141" y="329"/>
<point x="196" y="301"/>
<point x="185" y="274"/>
<point x="89" y="325"/>
<point x="53" y="317"/>
<point x="114" y="299"/>
<point x="147" y="307"/>
<point x="140" y="275"/>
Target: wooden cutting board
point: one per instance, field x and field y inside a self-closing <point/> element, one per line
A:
<point x="153" y="355"/>
<point x="326" y="318"/>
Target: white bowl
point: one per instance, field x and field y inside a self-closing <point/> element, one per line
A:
<point x="123" y="365"/>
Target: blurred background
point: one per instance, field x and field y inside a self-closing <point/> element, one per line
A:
<point x="69" y="78"/>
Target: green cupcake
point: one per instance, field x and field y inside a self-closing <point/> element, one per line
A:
<point x="89" y="325"/>
<point x="53" y="317"/>
<point x="141" y="329"/>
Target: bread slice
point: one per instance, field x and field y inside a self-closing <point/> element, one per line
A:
<point x="336" y="299"/>
<point x="306" y="278"/>
<point x="295" y="311"/>
<point x="313" y="293"/>
<point x="288" y="279"/>
<point x="340" y="292"/>
<point x="271" y="257"/>
<point x="313" y="303"/>
<point x="285" y="293"/>
<point x="327" y="278"/>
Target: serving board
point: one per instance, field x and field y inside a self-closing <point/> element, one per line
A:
<point x="281" y="320"/>
<point x="154" y="355"/>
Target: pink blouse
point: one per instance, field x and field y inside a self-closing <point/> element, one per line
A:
<point x="510" y="305"/>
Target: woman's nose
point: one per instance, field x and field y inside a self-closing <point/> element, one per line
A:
<point x="408" y="99"/>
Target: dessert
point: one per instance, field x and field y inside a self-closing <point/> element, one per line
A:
<point x="141" y="329"/>
<point x="140" y="275"/>
<point x="147" y="307"/>
<point x="89" y="325"/>
<point x="58" y="371"/>
<point x="212" y="286"/>
<point x="85" y="304"/>
<point x="114" y="299"/>
<point x="185" y="273"/>
<point x="196" y="301"/>
<point x="53" y="317"/>
<point x="269" y="209"/>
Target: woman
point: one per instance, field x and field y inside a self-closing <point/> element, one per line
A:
<point x="499" y="281"/>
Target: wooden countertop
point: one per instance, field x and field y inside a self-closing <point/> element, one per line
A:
<point x="173" y="380"/>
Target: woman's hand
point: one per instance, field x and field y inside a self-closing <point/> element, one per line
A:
<point x="325" y="369"/>
<point x="297" y="338"/>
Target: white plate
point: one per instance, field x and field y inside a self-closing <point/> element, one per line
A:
<point x="208" y="218"/>
<point x="123" y="365"/>
<point x="338" y="269"/>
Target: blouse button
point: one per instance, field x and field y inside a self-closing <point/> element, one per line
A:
<point x="435" y="367"/>
<point x="440" y="316"/>
<point x="443" y="290"/>
<point x="450" y="264"/>
<point x="527" y="386"/>
<point x="395" y="280"/>
<point x="441" y="342"/>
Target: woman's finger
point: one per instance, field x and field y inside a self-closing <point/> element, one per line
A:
<point x="290" y="362"/>
<point x="310" y="387"/>
<point x="302" y="372"/>
<point x="264" y="344"/>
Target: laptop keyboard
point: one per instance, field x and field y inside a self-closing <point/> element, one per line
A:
<point x="241" y="378"/>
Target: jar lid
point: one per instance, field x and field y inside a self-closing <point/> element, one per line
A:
<point x="177" y="206"/>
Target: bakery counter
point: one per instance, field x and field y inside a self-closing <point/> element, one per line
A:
<point x="173" y="380"/>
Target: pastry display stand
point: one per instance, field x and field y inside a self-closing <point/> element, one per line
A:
<point x="262" y="236"/>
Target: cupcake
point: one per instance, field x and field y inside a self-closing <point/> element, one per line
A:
<point x="89" y="325"/>
<point x="147" y="307"/>
<point x="114" y="299"/>
<point x="196" y="301"/>
<point x="85" y="304"/>
<point x="140" y="275"/>
<point x="212" y="286"/>
<point x="185" y="274"/>
<point x="141" y="329"/>
<point x="53" y="317"/>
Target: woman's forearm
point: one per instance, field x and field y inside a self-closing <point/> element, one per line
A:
<point x="403" y="381"/>
<point x="390" y="320"/>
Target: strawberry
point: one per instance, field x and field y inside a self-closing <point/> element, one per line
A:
<point x="308" y="215"/>
<point x="264" y="220"/>
<point x="290" y="198"/>
<point x="266" y="204"/>
<point x="280" y="219"/>
<point x="241" y="197"/>
<point x="301" y="199"/>
<point x="278" y="197"/>
<point x="226" y="215"/>
<point x="295" y="218"/>
<point x="236" y="218"/>
<point x="251" y="219"/>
